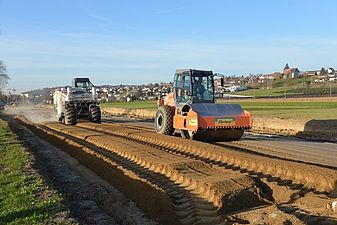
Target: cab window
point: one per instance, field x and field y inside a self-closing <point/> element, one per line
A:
<point x="182" y="87"/>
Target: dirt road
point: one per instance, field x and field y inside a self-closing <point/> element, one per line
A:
<point x="177" y="181"/>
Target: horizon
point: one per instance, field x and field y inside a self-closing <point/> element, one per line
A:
<point x="46" y="44"/>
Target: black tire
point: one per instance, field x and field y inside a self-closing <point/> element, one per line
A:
<point x="164" y="120"/>
<point x="214" y="135"/>
<point x="70" y="116"/>
<point x="95" y="113"/>
<point x="228" y="135"/>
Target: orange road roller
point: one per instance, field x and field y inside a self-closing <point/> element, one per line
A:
<point x="191" y="109"/>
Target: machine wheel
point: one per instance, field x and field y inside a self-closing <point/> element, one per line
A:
<point x="164" y="120"/>
<point x="95" y="113"/>
<point x="228" y="135"/>
<point x="70" y="116"/>
<point x="213" y="135"/>
<point x="205" y="136"/>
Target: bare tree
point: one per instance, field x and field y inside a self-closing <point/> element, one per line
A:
<point x="3" y="75"/>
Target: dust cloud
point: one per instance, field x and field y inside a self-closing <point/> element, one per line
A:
<point x="34" y="113"/>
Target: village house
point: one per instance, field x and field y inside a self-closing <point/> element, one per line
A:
<point x="311" y="73"/>
<point x="292" y="73"/>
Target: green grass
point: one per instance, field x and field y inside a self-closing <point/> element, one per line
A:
<point x="294" y="110"/>
<point x="20" y="202"/>
<point x="291" y="87"/>
<point x="131" y="105"/>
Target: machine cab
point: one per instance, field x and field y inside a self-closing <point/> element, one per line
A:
<point x="193" y="86"/>
<point x="82" y="83"/>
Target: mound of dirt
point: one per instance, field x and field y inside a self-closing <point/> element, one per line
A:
<point x="138" y="113"/>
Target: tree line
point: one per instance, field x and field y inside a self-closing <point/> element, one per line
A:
<point x="3" y="76"/>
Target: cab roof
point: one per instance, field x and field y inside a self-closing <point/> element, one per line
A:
<point x="181" y="71"/>
<point x="81" y="79"/>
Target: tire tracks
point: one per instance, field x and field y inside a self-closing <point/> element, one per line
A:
<point x="193" y="175"/>
<point x="309" y="176"/>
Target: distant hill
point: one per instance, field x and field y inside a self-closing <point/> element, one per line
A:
<point x="291" y="88"/>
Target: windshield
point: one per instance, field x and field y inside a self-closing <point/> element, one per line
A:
<point x="202" y="89"/>
<point x="83" y="83"/>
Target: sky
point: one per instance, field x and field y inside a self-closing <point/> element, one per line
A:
<point x="46" y="43"/>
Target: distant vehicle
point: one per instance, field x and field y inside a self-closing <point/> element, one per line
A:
<point x="79" y="100"/>
<point x="191" y="109"/>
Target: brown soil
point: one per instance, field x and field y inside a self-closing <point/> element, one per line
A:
<point x="88" y="198"/>
<point x="181" y="181"/>
<point x="309" y="176"/>
<point x="138" y="113"/>
<point x="222" y="189"/>
<point x="229" y="191"/>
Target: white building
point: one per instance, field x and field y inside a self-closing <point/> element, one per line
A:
<point x="235" y="88"/>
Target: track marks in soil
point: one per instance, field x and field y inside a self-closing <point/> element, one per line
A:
<point x="312" y="177"/>
<point x="211" y="185"/>
<point x="194" y="204"/>
<point x="291" y="190"/>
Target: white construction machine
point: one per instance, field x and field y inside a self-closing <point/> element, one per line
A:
<point x="78" y="101"/>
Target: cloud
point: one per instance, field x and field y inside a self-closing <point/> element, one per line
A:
<point x="170" y="10"/>
<point x="107" y="24"/>
<point x="100" y="18"/>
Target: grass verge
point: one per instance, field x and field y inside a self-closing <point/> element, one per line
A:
<point x="24" y="196"/>
<point x="291" y="110"/>
<point x="131" y="105"/>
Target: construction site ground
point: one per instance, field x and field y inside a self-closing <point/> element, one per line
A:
<point x="122" y="172"/>
<point x="312" y="118"/>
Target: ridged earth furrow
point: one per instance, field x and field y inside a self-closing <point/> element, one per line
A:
<point x="190" y="200"/>
<point x="184" y="192"/>
<point x="145" y="160"/>
<point x="313" y="177"/>
<point x="198" y="213"/>
<point x="250" y="166"/>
